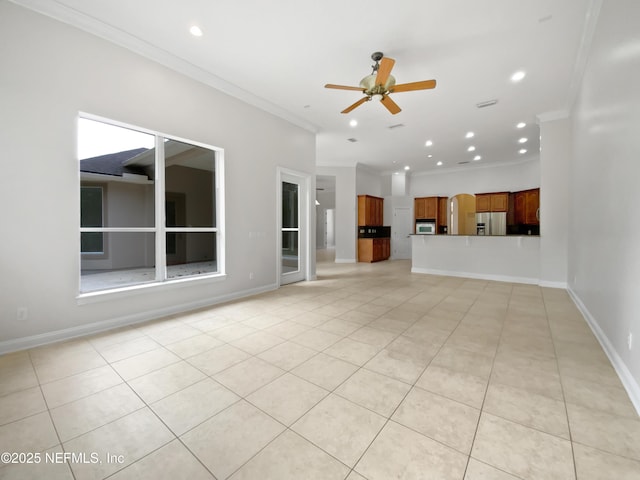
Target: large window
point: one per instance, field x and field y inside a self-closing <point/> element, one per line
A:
<point x="149" y="207"/>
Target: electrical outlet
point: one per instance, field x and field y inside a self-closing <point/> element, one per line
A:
<point x="23" y="314"/>
<point x="630" y="340"/>
<point x="250" y="275"/>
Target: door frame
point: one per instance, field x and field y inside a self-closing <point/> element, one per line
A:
<point x="305" y="271"/>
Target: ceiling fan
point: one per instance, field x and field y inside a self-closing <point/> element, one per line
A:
<point x="381" y="83"/>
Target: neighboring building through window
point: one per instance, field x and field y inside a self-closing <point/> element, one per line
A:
<point x="91" y="213"/>
<point x="141" y="194"/>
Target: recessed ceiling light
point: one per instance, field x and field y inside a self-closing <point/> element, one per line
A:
<point x="439" y="163"/>
<point x="471" y="149"/>
<point x="407" y="167"/>
<point x="469" y="135"/>
<point x="522" y="140"/>
<point x="522" y="150"/>
<point x="353" y="122"/>
<point x="519" y="75"/>
<point x="196" y="31"/>
<point x="521" y="125"/>
<point x="429" y="156"/>
<point x="477" y="157"/>
<point x="428" y="143"/>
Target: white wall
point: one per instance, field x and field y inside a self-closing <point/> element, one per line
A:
<point x="555" y="158"/>
<point x="368" y="182"/>
<point x="520" y="175"/>
<point x="604" y="234"/>
<point x="346" y="211"/>
<point x="327" y="202"/>
<point x="51" y="71"/>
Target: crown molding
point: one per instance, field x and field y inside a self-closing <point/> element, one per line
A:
<point x="74" y="18"/>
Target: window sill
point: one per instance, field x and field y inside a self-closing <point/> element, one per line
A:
<point x="133" y="290"/>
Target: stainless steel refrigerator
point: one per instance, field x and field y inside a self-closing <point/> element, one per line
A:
<point x="494" y="223"/>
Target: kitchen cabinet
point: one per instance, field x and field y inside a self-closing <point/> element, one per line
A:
<point x="373" y="249"/>
<point x="425" y="208"/>
<point x="370" y="211"/>
<point x="492" y="202"/>
<point x="483" y="202"/>
<point x="443" y="211"/>
<point x="527" y="207"/>
<point x="433" y="209"/>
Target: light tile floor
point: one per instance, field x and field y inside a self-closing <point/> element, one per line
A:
<point x="371" y="372"/>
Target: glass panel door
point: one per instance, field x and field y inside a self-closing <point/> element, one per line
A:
<point x="292" y="229"/>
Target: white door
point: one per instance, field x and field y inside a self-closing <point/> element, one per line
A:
<point x="401" y="228"/>
<point x="293" y="227"/>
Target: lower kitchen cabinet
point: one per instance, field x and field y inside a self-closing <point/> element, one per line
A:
<point x="373" y="249"/>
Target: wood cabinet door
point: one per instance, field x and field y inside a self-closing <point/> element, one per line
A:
<point x="420" y="208"/>
<point x="483" y="202"/>
<point x="520" y="206"/>
<point x="499" y="202"/>
<point x="431" y="207"/>
<point x="362" y="210"/>
<point x="532" y="207"/>
<point x="370" y="211"/>
<point x="379" y="211"/>
<point x="443" y="210"/>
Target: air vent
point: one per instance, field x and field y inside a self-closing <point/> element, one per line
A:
<point x="352" y="140"/>
<point x="488" y="103"/>
<point x="398" y="125"/>
<point x="463" y="163"/>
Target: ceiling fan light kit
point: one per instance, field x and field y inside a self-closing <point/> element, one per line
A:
<point x="381" y="83"/>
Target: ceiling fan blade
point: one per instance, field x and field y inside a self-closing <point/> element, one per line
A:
<point x="408" y="87"/>
<point x="343" y="87"/>
<point x="384" y="70"/>
<point x="357" y="104"/>
<point x="390" y="104"/>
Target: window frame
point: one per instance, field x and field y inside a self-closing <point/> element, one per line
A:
<point x="159" y="229"/>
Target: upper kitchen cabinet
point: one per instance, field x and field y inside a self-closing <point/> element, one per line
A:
<point x="370" y="211"/>
<point x="527" y="207"/>
<point x="425" y="208"/>
<point x="492" y="202"/>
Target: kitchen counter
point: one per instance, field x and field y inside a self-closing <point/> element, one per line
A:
<point x="508" y="258"/>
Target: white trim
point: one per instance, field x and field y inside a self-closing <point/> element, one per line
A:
<point x="495" y="278"/>
<point x="562" y="285"/>
<point x="534" y="156"/>
<point x="159" y="201"/>
<point x="345" y="260"/>
<point x="304" y="226"/>
<point x="135" y="289"/>
<point x="552" y="116"/>
<point x="630" y="384"/>
<point x="96" y="327"/>
<point x="114" y="35"/>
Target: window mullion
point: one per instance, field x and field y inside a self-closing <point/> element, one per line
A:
<point x="161" y="258"/>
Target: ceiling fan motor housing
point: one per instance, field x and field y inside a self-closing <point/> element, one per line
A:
<point x="368" y="83"/>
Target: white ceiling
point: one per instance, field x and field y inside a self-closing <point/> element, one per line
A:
<point x="279" y="54"/>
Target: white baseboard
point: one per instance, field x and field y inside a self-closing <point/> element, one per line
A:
<point x="496" y="278"/>
<point x="630" y="384"/>
<point x="23" y="343"/>
<point x="345" y="260"/>
<point x="562" y="285"/>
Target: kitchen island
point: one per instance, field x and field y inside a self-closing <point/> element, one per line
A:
<point x="503" y="258"/>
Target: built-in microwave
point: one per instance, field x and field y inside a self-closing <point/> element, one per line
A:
<point x="425" y="228"/>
